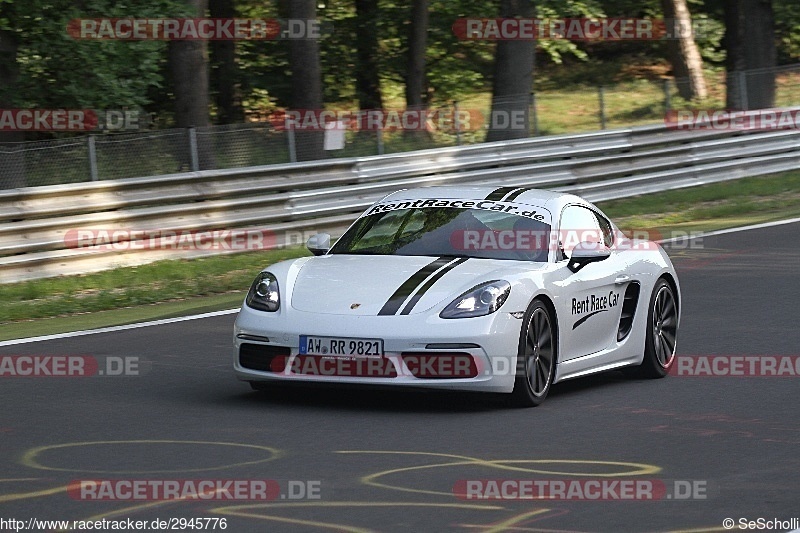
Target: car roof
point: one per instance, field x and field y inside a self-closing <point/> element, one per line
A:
<point x="550" y="200"/>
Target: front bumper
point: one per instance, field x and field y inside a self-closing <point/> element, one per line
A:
<point x="490" y="340"/>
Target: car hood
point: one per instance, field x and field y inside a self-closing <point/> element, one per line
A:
<point x="385" y="285"/>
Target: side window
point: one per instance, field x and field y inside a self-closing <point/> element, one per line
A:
<point x="605" y="227"/>
<point x="578" y="224"/>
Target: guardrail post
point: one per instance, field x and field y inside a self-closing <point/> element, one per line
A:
<point x="379" y="138"/>
<point x="456" y="123"/>
<point x="92" y="158"/>
<point x="742" y="79"/>
<point x="194" y="160"/>
<point x="667" y="97"/>
<point x="601" y="93"/>
<point x="534" y="114"/>
<point x="292" y="146"/>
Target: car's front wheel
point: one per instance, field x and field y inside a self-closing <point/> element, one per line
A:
<point x="662" y="330"/>
<point x="536" y="357"/>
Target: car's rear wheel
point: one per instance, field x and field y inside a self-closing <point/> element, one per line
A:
<point x="536" y="357"/>
<point x="662" y="331"/>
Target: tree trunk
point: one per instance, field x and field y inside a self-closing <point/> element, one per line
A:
<point x="417" y="44"/>
<point x="368" y="84"/>
<point x="513" y="80"/>
<point x="687" y="64"/>
<point x="12" y="163"/>
<point x="750" y="45"/>
<point x="188" y="65"/>
<point x="306" y="81"/>
<point x="224" y="72"/>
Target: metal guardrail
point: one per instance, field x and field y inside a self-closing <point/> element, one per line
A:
<point x="294" y="198"/>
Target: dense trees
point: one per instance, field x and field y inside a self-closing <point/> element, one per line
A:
<point x="683" y="53"/>
<point x="377" y="53"/>
<point x="750" y="43"/>
<point x="512" y="80"/>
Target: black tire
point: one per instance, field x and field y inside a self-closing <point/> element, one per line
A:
<point x="536" y="357"/>
<point x="662" y="330"/>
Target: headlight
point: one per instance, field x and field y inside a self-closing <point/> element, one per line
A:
<point x="264" y="294"/>
<point x="484" y="299"/>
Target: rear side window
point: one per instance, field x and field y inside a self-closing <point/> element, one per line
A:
<point x="578" y="224"/>
<point x="605" y="227"/>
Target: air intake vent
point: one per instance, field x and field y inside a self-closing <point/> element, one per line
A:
<point x="628" y="310"/>
<point x="263" y="357"/>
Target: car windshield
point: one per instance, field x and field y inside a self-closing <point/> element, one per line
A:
<point x="446" y="231"/>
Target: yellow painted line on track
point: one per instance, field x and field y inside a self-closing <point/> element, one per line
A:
<point x="505" y="525"/>
<point x="711" y="529"/>
<point x="31" y="457"/>
<point x="522" y="528"/>
<point x="247" y="511"/>
<point x="300" y="522"/>
<point x="639" y="469"/>
<point x="34" y="494"/>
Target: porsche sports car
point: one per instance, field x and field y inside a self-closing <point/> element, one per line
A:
<point x="505" y="290"/>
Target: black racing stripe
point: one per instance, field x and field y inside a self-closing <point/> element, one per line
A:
<point x="498" y="194"/>
<point x="399" y="296"/>
<point x="513" y="196"/>
<point x="587" y="317"/>
<point x="428" y="284"/>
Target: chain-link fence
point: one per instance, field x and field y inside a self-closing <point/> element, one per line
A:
<point x="586" y="107"/>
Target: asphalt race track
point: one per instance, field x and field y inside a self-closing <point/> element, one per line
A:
<point x="389" y="460"/>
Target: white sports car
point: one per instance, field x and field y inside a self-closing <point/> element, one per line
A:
<point x="504" y="290"/>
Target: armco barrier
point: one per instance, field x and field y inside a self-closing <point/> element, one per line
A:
<point x="328" y="195"/>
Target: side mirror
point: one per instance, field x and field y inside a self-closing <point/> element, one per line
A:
<point x="319" y="244"/>
<point x="585" y="253"/>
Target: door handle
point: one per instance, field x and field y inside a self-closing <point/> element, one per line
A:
<point x="622" y="279"/>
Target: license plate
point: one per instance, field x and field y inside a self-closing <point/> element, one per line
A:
<point x="340" y="346"/>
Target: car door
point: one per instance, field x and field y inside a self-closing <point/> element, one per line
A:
<point x="592" y="297"/>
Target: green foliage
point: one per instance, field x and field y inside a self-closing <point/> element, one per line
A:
<point x="787" y="25"/>
<point x="555" y="50"/>
<point x="56" y="70"/>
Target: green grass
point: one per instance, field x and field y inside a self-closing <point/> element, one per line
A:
<point x="766" y="197"/>
<point x="175" y="288"/>
<point x="136" y="286"/>
<point x="127" y="315"/>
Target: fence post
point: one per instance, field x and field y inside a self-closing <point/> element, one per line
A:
<point x="534" y="114"/>
<point x="667" y="97"/>
<point x="601" y="95"/>
<point x="194" y="160"/>
<point x="741" y="78"/>
<point x="456" y="123"/>
<point x="92" y="158"/>
<point x="292" y="145"/>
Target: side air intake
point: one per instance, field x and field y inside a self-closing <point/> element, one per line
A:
<point x="628" y="310"/>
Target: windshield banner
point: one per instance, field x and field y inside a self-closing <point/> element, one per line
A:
<point x="522" y="210"/>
